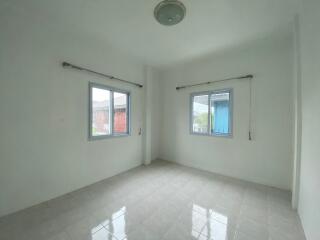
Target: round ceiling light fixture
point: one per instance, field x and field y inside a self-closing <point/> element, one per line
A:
<point x="169" y="12"/>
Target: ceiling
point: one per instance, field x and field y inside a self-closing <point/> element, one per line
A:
<point x="129" y="25"/>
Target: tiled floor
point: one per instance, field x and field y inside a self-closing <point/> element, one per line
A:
<point x="161" y="201"/>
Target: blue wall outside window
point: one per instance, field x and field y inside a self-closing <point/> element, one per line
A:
<point x="221" y="117"/>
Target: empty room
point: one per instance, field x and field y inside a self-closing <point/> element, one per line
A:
<point x="159" y="120"/>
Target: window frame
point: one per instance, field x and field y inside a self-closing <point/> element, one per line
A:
<point x="128" y="115"/>
<point x="209" y="93"/>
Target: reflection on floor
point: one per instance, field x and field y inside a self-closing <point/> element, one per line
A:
<point x="161" y="201"/>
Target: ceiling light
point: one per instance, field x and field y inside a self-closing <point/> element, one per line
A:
<point x="169" y="12"/>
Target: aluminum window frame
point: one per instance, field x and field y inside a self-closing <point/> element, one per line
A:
<point x="128" y="115"/>
<point x="209" y="93"/>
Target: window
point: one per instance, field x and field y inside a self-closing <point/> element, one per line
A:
<point x="211" y="113"/>
<point x="109" y="112"/>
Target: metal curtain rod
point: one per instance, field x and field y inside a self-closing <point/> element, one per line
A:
<point x="215" y="81"/>
<point x="69" y="65"/>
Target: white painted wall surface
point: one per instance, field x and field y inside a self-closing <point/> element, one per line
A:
<point x="297" y="115"/>
<point x="156" y="111"/>
<point x="147" y="108"/>
<point x="44" y="151"/>
<point x="309" y="199"/>
<point x="152" y="120"/>
<point x="268" y="158"/>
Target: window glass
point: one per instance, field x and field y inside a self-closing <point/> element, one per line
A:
<point x="109" y="112"/>
<point x="200" y="114"/>
<point x="219" y="103"/>
<point x="100" y="112"/>
<point x="120" y="112"/>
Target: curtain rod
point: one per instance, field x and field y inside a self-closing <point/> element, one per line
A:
<point x="69" y="65"/>
<point x="214" y="81"/>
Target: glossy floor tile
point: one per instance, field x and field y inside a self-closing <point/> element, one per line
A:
<point x="162" y="201"/>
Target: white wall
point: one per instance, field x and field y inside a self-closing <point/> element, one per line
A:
<point x="155" y="114"/>
<point x="297" y="115"/>
<point x="44" y="151"/>
<point x="268" y="158"/>
<point x="309" y="198"/>
<point x="152" y="121"/>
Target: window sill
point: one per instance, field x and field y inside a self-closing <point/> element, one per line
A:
<point x="102" y="137"/>
<point x="212" y="135"/>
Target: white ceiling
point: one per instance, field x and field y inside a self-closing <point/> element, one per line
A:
<point x="129" y="25"/>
